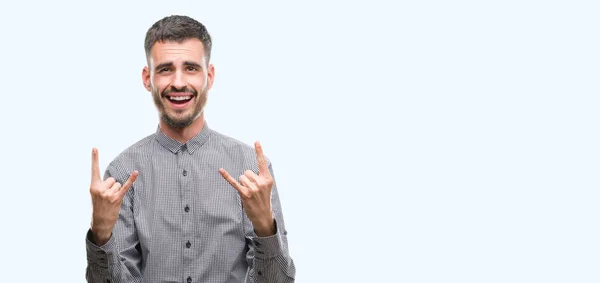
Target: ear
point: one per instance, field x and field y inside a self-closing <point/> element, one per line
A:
<point x="146" y="78"/>
<point x="210" y="75"/>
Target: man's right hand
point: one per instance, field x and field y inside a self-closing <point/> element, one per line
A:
<point x="107" y="196"/>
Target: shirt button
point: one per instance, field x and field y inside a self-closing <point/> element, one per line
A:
<point x="184" y="173"/>
<point x="189" y="280"/>
<point x="187" y="208"/>
<point x="188" y="244"/>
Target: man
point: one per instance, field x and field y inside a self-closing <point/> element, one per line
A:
<point x="166" y="210"/>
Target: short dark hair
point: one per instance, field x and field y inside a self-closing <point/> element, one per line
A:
<point x="177" y="28"/>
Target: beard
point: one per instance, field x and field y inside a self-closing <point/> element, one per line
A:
<point x="172" y="119"/>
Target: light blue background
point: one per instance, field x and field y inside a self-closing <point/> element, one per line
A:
<point x="415" y="141"/>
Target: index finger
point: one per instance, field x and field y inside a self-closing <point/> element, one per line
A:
<point x="262" y="162"/>
<point x="95" y="167"/>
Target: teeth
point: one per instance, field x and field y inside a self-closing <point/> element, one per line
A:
<point x="179" y="98"/>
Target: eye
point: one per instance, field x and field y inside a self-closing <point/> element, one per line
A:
<point x="162" y="70"/>
<point x="192" y="68"/>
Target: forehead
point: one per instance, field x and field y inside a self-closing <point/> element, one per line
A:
<point x="172" y="51"/>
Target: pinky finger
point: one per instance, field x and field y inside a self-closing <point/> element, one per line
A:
<point x="129" y="182"/>
<point x="241" y="189"/>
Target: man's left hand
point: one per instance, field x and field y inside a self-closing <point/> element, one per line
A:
<point x="255" y="191"/>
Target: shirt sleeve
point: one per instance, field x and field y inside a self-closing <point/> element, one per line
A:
<point x="119" y="260"/>
<point x="268" y="257"/>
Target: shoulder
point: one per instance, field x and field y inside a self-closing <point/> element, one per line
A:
<point x="236" y="149"/>
<point x="227" y="142"/>
<point x="127" y="160"/>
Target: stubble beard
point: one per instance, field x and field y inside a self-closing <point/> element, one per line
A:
<point x="179" y="122"/>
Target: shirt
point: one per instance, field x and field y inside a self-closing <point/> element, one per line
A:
<point x="181" y="221"/>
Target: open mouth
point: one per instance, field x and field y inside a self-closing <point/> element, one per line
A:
<point x="179" y="99"/>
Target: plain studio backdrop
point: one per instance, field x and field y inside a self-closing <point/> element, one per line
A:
<point x="415" y="141"/>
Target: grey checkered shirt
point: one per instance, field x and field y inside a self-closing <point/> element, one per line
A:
<point x="183" y="222"/>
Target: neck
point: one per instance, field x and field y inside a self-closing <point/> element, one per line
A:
<point x="183" y="135"/>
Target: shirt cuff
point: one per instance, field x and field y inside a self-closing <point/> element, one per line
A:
<point x="99" y="255"/>
<point x="268" y="247"/>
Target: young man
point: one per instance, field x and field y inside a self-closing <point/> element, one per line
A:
<point x="168" y="208"/>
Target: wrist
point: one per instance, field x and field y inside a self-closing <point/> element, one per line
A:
<point x="100" y="236"/>
<point x="265" y="227"/>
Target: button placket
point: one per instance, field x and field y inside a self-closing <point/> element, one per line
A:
<point x="186" y="179"/>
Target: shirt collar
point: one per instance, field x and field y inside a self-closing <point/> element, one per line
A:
<point x="175" y="146"/>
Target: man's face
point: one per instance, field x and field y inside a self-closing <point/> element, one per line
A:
<point x="179" y="79"/>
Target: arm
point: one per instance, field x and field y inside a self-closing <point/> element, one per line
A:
<point x="268" y="257"/>
<point x="113" y="256"/>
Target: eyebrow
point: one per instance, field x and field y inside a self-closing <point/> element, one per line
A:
<point x="160" y="66"/>
<point x="170" y="64"/>
<point x="192" y="64"/>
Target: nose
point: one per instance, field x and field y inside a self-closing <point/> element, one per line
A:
<point x="178" y="80"/>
